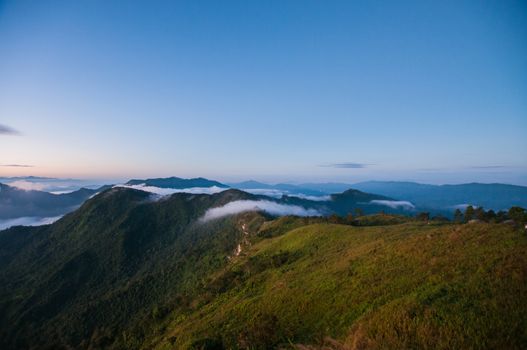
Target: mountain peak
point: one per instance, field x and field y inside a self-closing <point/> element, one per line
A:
<point x="177" y="182"/>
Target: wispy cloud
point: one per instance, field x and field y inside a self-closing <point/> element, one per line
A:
<point x="169" y="191"/>
<point x="279" y="193"/>
<point x="27" y="185"/>
<point x="262" y="205"/>
<point x="488" y="167"/>
<point x="28" y="221"/>
<point x="325" y="198"/>
<point x="430" y="169"/>
<point x="269" y="192"/>
<point x="394" y="204"/>
<point x="7" y="130"/>
<point x="17" y="165"/>
<point x="347" y="165"/>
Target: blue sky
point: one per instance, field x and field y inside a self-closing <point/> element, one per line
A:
<point x="272" y="90"/>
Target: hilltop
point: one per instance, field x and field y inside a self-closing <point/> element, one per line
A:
<point x="177" y="182"/>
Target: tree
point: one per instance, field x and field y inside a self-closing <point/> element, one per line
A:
<point x="359" y="212"/>
<point x="458" y="216"/>
<point x="479" y="213"/>
<point x="469" y="213"/>
<point x="518" y="214"/>
<point x="334" y="219"/>
<point x="349" y="219"/>
<point x="423" y="216"/>
<point x="490" y="216"/>
<point x="501" y="216"/>
<point x="440" y="218"/>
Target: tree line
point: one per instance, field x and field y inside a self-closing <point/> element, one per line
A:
<point x="516" y="214"/>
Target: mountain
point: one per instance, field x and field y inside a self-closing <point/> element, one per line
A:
<point x="177" y="183"/>
<point x="16" y="203"/>
<point x="30" y="178"/>
<point x="108" y="265"/>
<point x="126" y="272"/>
<point x="327" y="187"/>
<point x="438" y="199"/>
<point x="350" y="201"/>
<point x="249" y="185"/>
<point x="281" y="188"/>
<point x="347" y="201"/>
<point x="489" y="196"/>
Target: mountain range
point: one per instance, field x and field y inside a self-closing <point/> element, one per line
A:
<point x="370" y="197"/>
<point x="16" y="203"/>
<point x="436" y="198"/>
<point x="281" y="188"/>
<point x="490" y="196"/>
<point x="35" y="205"/>
<point x="131" y="271"/>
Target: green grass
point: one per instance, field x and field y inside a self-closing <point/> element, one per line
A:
<point x="401" y="286"/>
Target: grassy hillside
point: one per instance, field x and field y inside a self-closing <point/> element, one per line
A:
<point x="126" y="272"/>
<point x="403" y="286"/>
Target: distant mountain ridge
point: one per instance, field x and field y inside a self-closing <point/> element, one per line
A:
<point x="490" y="196"/>
<point x="283" y="187"/>
<point x="439" y="199"/>
<point x="16" y="203"/>
<point x="177" y="182"/>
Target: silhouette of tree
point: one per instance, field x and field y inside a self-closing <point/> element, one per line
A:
<point x="458" y="216"/>
<point x="469" y="213"/>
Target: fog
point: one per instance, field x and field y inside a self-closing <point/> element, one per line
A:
<point x="394" y="204"/>
<point x="168" y="191"/>
<point x="279" y="193"/>
<point x="262" y="205"/>
<point x="28" y="221"/>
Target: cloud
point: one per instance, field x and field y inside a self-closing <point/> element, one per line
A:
<point x="429" y="169"/>
<point x="27" y="185"/>
<point x="265" y="192"/>
<point x="325" y="198"/>
<point x="28" y="221"/>
<point x="168" y="191"/>
<point x="394" y="204"/>
<point x="488" y="167"/>
<point x="6" y="130"/>
<point x="279" y="193"/>
<point x="61" y="191"/>
<point x="51" y="185"/>
<point x="17" y="165"/>
<point x="347" y="165"/>
<point x="262" y="205"/>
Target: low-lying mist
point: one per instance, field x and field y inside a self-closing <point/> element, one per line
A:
<point x="168" y="191"/>
<point x="394" y="204"/>
<point x="272" y="208"/>
<point x="28" y="221"/>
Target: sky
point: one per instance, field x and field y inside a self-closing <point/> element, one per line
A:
<point x="295" y="91"/>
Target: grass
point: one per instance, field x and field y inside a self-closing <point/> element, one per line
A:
<point x="411" y="285"/>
